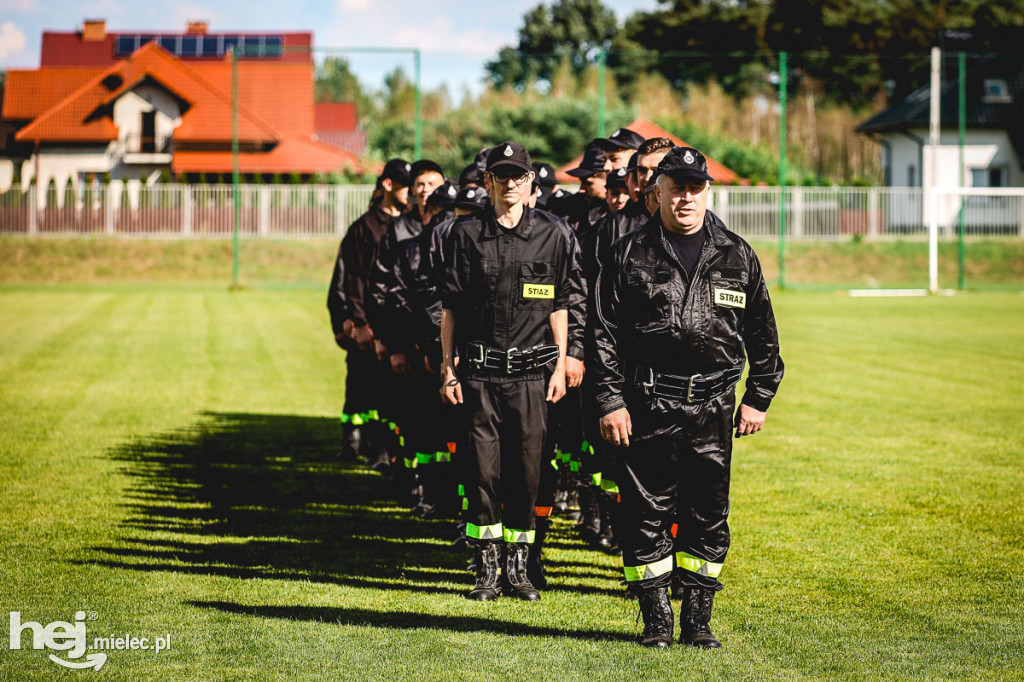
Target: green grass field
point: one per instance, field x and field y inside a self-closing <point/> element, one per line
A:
<point x="167" y="465"/>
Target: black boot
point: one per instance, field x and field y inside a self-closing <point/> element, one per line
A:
<point x="606" y="538"/>
<point x="695" y="619"/>
<point x="488" y="571"/>
<point x="516" y="559"/>
<point x="534" y="565"/>
<point x="590" y="517"/>
<point x="656" y="610"/>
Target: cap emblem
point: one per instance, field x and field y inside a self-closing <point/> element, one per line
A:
<point x="508" y="150"/>
<point x="451" y="191"/>
<point x="617" y="132"/>
<point x="688" y="158"/>
<point x="543" y="172"/>
<point x="471" y="194"/>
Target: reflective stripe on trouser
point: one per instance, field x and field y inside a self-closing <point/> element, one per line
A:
<point x="678" y="472"/>
<point x="506" y="424"/>
<point x="526" y="536"/>
<point x="649" y="571"/>
<point x="492" y="532"/>
<point x="697" y="565"/>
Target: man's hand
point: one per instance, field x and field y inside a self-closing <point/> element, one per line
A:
<point x="363" y="336"/>
<point x="749" y="420"/>
<point x="451" y="389"/>
<point x="573" y="372"/>
<point x="380" y="349"/>
<point x="617" y="427"/>
<point x="399" y="364"/>
<point x="556" y="385"/>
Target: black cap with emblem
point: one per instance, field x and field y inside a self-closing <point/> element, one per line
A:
<point x="545" y="174"/>
<point x="472" y="198"/>
<point x="444" y="195"/>
<point x="593" y="162"/>
<point x="617" y="178"/>
<point x="396" y="170"/>
<point x="622" y="138"/>
<point x="509" y="156"/>
<point x="685" y="163"/>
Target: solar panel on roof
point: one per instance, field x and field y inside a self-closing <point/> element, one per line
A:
<point x="189" y="46"/>
<point x="273" y="46"/>
<point x="211" y="46"/>
<point x="169" y="43"/>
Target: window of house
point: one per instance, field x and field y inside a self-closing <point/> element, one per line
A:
<point x="996" y="90"/>
<point x="988" y="177"/>
<point x="911" y="176"/>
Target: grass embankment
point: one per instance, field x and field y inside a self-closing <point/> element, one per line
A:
<point x="167" y="462"/>
<point x="989" y="264"/>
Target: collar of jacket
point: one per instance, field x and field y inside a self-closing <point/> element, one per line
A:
<point x="654" y="232"/>
<point x="490" y="224"/>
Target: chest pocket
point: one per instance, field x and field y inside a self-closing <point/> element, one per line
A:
<point x="537" y="285"/>
<point x="728" y="296"/>
<point x="652" y="297"/>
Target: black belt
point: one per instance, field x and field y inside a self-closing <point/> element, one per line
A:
<point x="699" y="388"/>
<point x="511" y="361"/>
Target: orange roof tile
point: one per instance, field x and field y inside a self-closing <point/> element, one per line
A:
<point x="647" y="130"/>
<point x="335" y="116"/>
<point x="291" y="156"/>
<point x="82" y="115"/>
<point x="31" y="92"/>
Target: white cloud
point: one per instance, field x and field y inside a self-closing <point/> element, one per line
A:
<point x="12" y="40"/>
<point x="18" y="5"/>
<point x="353" y="5"/>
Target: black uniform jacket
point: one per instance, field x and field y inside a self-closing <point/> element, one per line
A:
<point x="597" y="243"/>
<point x="503" y="285"/>
<point x="346" y="297"/>
<point x="413" y="300"/>
<point x="380" y="311"/>
<point x="649" y="314"/>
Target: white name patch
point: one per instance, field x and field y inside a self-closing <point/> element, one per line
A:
<point x="730" y="298"/>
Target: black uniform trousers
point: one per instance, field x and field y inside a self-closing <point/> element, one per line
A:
<point x="364" y="377"/>
<point x="675" y="472"/>
<point x="507" y="425"/>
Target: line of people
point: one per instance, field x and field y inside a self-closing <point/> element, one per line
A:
<point x="491" y="288"/>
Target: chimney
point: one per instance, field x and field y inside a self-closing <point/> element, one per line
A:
<point x="94" y="30"/>
<point x="197" y="27"/>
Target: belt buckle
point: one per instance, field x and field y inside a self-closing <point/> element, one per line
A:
<point x="508" y="359"/>
<point x="689" y="388"/>
<point x="477" y="362"/>
<point x="648" y="385"/>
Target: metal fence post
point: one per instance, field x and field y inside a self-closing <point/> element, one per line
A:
<point x="263" y="222"/>
<point x="798" y="212"/>
<point x="186" y="209"/>
<point x="873" y="212"/>
<point x="339" y="210"/>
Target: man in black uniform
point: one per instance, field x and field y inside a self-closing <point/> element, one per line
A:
<point x="511" y="275"/>
<point x="680" y="303"/>
<point x="346" y="301"/>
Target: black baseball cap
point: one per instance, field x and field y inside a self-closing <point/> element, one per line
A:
<point x="510" y="155"/>
<point x="472" y="198"/>
<point x="593" y="162"/>
<point x="685" y="163"/>
<point x="444" y="195"/>
<point x="424" y="166"/>
<point x="622" y="138"/>
<point x="396" y="170"/>
<point x="471" y="175"/>
<point x="617" y="178"/>
<point x="545" y="174"/>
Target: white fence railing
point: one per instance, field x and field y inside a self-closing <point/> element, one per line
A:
<point x="812" y="213"/>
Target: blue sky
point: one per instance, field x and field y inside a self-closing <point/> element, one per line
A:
<point x="456" y="36"/>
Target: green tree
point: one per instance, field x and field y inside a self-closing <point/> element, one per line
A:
<point x="335" y="82"/>
<point x="567" y="30"/>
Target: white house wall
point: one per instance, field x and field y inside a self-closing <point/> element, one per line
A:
<point x="982" y="149"/>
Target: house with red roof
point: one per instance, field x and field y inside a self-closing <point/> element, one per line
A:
<point x="647" y="130"/>
<point x="137" y="105"/>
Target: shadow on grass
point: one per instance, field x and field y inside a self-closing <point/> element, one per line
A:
<point x="265" y="496"/>
<point x="407" y="620"/>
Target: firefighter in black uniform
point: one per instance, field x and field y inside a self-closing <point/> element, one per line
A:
<point x="511" y="275"/>
<point x="679" y="305"/>
<point x="346" y="301"/>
